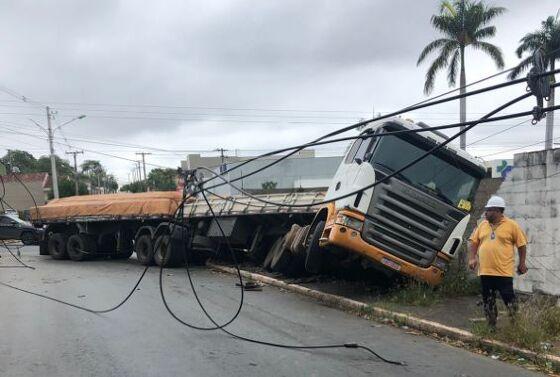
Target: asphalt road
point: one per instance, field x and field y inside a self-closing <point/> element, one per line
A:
<point x="44" y="338"/>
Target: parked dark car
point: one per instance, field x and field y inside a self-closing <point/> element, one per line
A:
<point x="14" y="228"/>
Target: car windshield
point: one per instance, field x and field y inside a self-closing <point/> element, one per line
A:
<point x="17" y="219"/>
<point x="443" y="178"/>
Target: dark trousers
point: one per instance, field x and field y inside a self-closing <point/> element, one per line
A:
<point x="491" y="285"/>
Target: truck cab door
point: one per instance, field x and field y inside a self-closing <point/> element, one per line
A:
<point x="354" y="172"/>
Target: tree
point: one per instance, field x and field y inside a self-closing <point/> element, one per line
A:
<point x="67" y="187"/>
<point x="63" y="167"/>
<point x="134" y="187"/>
<point x="546" y="40"/>
<point x="23" y="160"/>
<point x="94" y="171"/>
<point x="463" y="23"/>
<point x="269" y="186"/>
<point x="163" y="179"/>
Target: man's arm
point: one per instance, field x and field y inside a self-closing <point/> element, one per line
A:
<point x="522" y="267"/>
<point x="473" y="262"/>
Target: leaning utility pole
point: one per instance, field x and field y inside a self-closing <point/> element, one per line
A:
<point x="222" y="158"/>
<point x="144" y="163"/>
<point x="76" y="178"/>
<point x="53" y="160"/>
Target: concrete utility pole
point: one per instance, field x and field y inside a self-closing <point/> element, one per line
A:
<point x="76" y="178"/>
<point x="50" y="132"/>
<point x="53" y="159"/>
<point x="222" y="157"/>
<point x="144" y="163"/>
<point x="138" y="166"/>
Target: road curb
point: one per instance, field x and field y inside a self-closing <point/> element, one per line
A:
<point x="401" y="318"/>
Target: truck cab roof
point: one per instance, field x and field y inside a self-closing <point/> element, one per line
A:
<point x="434" y="136"/>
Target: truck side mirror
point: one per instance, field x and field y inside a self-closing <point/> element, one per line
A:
<point x="358" y="160"/>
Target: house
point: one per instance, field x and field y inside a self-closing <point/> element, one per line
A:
<point x="17" y="197"/>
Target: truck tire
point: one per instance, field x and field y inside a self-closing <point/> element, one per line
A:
<point x="271" y="252"/>
<point x="297" y="263"/>
<point x="314" y="257"/>
<point x="57" y="246"/>
<point x="81" y="247"/>
<point x="164" y="255"/>
<point x="144" y="250"/>
<point x="281" y="259"/>
<point x="27" y="238"/>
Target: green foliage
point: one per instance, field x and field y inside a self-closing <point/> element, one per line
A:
<point x="457" y="282"/>
<point x="134" y="187"/>
<point x="63" y="167"/>
<point x="92" y="171"/>
<point x="414" y="293"/>
<point x="536" y="324"/>
<point x="269" y="185"/>
<point x="23" y="160"/>
<point x="546" y="39"/>
<point x="162" y="179"/>
<point x="67" y="187"/>
<point x="92" y="167"/>
<point x="462" y="24"/>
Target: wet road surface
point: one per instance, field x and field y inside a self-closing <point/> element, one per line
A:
<point x="44" y="338"/>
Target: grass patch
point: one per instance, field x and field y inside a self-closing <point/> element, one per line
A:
<point x="457" y="282"/>
<point x="536" y="325"/>
<point x="414" y="293"/>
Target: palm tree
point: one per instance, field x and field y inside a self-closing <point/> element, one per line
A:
<point x="463" y="23"/>
<point x="547" y="40"/>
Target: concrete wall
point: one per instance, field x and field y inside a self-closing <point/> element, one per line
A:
<point x="532" y="194"/>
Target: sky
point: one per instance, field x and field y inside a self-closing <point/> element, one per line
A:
<point x="178" y="77"/>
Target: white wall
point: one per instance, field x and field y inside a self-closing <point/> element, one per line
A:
<point x="532" y="195"/>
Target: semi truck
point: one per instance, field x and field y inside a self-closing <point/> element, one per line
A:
<point x="411" y="223"/>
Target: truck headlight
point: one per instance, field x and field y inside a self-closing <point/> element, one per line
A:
<point x="349" y="222"/>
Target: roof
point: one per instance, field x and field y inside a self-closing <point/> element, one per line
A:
<point x="44" y="178"/>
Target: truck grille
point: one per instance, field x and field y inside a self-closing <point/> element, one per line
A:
<point x="408" y="223"/>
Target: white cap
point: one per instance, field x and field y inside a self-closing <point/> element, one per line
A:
<point x="496" y="201"/>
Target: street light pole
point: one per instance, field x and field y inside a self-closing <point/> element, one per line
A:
<point x="53" y="160"/>
<point x="50" y="133"/>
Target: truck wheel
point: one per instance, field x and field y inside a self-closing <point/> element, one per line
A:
<point x="282" y="256"/>
<point x="314" y="257"/>
<point x="27" y="238"/>
<point x="271" y="252"/>
<point x="144" y="250"/>
<point x="164" y="255"/>
<point x="57" y="246"/>
<point x="81" y="247"/>
<point x="297" y="263"/>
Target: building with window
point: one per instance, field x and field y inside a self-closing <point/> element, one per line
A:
<point x="301" y="172"/>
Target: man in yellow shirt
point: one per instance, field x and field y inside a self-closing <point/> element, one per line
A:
<point x="493" y="241"/>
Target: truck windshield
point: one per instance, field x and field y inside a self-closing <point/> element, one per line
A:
<point x="443" y="178"/>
